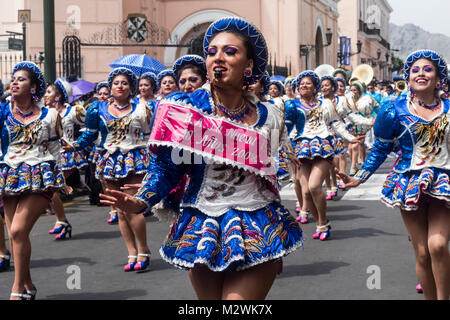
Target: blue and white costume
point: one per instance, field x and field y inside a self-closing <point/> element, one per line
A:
<point x="314" y="138"/>
<point x="231" y="218"/>
<point x="73" y="115"/>
<point x="424" y="164"/>
<point x="30" y="162"/>
<point x="151" y="104"/>
<point x="122" y="150"/>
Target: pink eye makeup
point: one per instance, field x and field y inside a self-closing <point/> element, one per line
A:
<point x="231" y="50"/>
<point x="428" y="69"/>
<point x="415" y="70"/>
<point x="191" y="79"/>
<point x="212" y="51"/>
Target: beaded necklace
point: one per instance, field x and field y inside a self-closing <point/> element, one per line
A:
<point x="120" y="108"/>
<point x="24" y="115"/>
<point x="429" y="107"/>
<point x="311" y="106"/>
<point x="236" y="114"/>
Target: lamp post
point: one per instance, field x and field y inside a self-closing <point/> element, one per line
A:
<point x="305" y="49"/>
<point x="49" y="40"/>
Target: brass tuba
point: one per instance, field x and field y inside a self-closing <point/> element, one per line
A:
<point x="400" y="86"/>
<point x="364" y="73"/>
<point x="324" y="70"/>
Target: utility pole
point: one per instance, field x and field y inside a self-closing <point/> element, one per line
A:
<point x="49" y="40"/>
<point x="24" y="37"/>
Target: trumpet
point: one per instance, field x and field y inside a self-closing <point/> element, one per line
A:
<point x="400" y="86"/>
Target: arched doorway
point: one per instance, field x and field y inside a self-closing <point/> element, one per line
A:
<point x="319" y="48"/>
<point x="192" y="27"/>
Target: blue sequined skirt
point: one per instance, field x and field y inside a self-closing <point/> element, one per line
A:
<point x="236" y="240"/>
<point x="339" y="148"/>
<point x="120" y="165"/>
<point x="282" y="166"/>
<point x="42" y="177"/>
<point x="405" y="190"/>
<point x="73" y="160"/>
<point x="94" y="154"/>
<point x="315" y="148"/>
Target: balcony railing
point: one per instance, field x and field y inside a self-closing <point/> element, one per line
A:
<point x="363" y="27"/>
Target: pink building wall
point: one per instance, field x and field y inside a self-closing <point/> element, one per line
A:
<point x="285" y="24"/>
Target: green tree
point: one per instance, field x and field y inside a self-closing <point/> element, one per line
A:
<point x="397" y="64"/>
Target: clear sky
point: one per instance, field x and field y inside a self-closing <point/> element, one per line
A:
<point x="431" y="15"/>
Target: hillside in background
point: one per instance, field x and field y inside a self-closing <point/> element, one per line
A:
<point x="409" y="38"/>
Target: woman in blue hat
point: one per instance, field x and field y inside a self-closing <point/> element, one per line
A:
<point x="190" y="71"/>
<point x="276" y="89"/>
<point x="419" y="182"/>
<point x="232" y="230"/>
<point x="148" y="88"/>
<point x="29" y="167"/>
<point x="124" y="127"/>
<point x="102" y="94"/>
<point x="102" y="91"/>
<point x="167" y="83"/>
<point x="365" y="105"/>
<point x="330" y="87"/>
<point x="57" y="96"/>
<point x="315" y="146"/>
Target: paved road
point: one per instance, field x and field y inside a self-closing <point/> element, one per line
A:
<point x="368" y="244"/>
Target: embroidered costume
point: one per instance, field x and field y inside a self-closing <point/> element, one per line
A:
<point x="232" y="216"/>
<point x="229" y="214"/>
<point x="424" y="165"/>
<point x="122" y="150"/>
<point x="314" y="138"/>
<point x="30" y="162"/>
<point x="72" y="117"/>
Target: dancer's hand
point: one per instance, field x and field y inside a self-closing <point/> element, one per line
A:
<point x="294" y="159"/>
<point x="131" y="186"/>
<point x="349" y="182"/>
<point x="358" y="139"/>
<point x="67" y="146"/>
<point x="67" y="189"/>
<point x="123" y="201"/>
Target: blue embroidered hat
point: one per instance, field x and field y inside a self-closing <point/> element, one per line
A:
<point x="35" y="73"/>
<point x="248" y="30"/>
<point x="152" y="78"/>
<point x="279" y="84"/>
<point x="341" y="80"/>
<point x="65" y="87"/>
<point x="126" y="72"/>
<point x="190" y="59"/>
<point x="162" y="74"/>
<point x="333" y="82"/>
<point x="430" y="55"/>
<point x="265" y="83"/>
<point x="294" y="84"/>
<point x="309" y="73"/>
<point x="102" y="84"/>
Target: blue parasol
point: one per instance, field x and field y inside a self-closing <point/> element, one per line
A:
<point x="278" y="78"/>
<point x="139" y="64"/>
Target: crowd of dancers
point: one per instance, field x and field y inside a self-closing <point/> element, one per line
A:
<point x="160" y="144"/>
